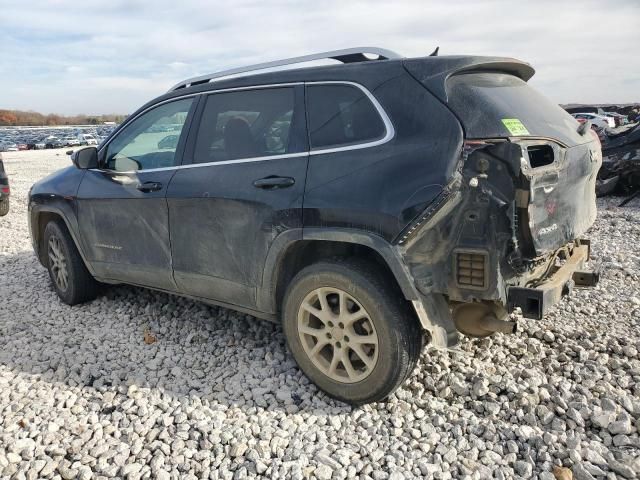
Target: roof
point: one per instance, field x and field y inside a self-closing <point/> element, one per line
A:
<point x="432" y="71"/>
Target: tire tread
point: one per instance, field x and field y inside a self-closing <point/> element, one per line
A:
<point x="4" y="206"/>
<point x="409" y="336"/>
<point x="83" y="286"/>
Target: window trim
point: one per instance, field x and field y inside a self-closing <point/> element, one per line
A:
<point x="298" y="109"/>
<point x="182" y="140"/>
<point x="388" y="126"/>
<point x="389" y="130"/>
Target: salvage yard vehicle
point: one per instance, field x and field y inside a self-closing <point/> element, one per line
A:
<point x="5" y="190"/>
<point x="369" y="206"/>
<point x="87" y="139"/>
<point x="600" y="121"/>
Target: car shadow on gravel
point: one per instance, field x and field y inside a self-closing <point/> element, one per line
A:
<point x="132" y="338"/>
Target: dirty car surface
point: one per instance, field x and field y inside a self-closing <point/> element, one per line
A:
<point x="363" y="205"/>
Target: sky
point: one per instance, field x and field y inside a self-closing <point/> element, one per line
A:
<point x="111" y="56"/>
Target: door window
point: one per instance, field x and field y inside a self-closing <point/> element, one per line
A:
<point x="151" y="140"/>
<point x="245" y="124"/>
<point x="341" y="115"/>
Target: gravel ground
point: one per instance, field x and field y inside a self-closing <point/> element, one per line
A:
<point x="217" y="394"/>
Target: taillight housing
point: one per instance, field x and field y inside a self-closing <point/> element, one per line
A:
<point x="5" y="190"/>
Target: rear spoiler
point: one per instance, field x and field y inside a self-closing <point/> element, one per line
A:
<point x="433" y="72"/>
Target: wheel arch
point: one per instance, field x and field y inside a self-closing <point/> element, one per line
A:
<point x="295" y="249"/>
<point x="40" y="217"/>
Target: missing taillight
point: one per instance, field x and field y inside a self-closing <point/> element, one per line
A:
<point x="471" y="268"/>
<point x="540" y="155"/>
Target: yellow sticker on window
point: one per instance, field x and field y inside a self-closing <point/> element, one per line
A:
<point x="515" y="127"/>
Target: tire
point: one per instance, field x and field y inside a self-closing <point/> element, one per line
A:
<point x="360" y="290"/>
<point x="79" y="286"/>
<point x="4" y="206"/>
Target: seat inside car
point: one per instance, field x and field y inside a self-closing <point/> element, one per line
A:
<point x="238" y="139"/>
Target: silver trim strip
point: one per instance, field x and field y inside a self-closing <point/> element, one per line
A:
<point x="389" y="130"/>
<point x="208" y="164"/>
<point x="383" y="53"/>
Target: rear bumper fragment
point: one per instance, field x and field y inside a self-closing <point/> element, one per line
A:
<point x="535" y="302"/>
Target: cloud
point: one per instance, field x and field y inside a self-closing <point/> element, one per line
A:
<point x="113" y="55"/>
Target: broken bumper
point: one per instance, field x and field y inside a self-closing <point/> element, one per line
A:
<point x="535" y="302"/>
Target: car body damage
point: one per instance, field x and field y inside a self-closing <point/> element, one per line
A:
<point x="503" y="227"/>
<point x="465" y="188"/>
<point x="506" y="230"/>
<point x="620" y="172"/>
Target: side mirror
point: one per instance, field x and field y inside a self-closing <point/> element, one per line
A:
<point x="85" y="158"/>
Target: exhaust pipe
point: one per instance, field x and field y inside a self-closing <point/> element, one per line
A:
<point x="481" y="319"/>
<point x="491" y="324"/>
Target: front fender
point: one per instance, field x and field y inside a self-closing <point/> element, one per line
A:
<point x="56" y="195"/>
<point x="63" y="210"/>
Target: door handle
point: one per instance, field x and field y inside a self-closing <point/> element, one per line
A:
<point x="149" y="187"/>
<point x="272" y="182"/>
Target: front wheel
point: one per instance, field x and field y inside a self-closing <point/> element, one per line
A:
<point x="350" y="330"/>
<point x="70" y="278"/>
<point x="4" y="206"/>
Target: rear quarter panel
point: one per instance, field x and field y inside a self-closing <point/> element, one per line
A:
<point x="381" y="189"/>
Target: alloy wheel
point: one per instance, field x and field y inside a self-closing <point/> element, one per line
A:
<point x="338" y="335"/>
<point x="58" y="263"/>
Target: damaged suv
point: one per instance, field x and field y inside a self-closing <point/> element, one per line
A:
<point x="369" y="206"/>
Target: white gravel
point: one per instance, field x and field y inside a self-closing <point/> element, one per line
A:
<point x="218" y="395"/>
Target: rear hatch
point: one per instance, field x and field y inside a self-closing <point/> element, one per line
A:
<point x="553" y="165"/>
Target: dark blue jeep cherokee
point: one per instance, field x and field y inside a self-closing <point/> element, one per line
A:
<point x="369" y="206"/>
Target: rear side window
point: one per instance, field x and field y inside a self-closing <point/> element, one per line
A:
<point x="341" y="115"/>
<point x="245" y="124"/>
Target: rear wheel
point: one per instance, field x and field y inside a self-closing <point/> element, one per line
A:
<point x="350" y="331"/>
<point x="70" y="278"/>
<point x="4" y="206"/>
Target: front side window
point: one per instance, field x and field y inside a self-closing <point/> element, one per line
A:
<point x="245" y="124"/>
<point x="150" y="141"/>
<point x="341" y="115"/>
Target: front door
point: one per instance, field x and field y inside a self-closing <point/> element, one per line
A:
<point x="243" y="187"/>
<point x="122" y="209"/>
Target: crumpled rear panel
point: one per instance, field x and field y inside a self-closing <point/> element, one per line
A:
<point x="562" y="204"/>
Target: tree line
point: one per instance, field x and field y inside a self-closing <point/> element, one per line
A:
<point x="17" y="117"/>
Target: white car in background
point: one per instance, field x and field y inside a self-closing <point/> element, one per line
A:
<point x="600" y="121"/>
<point x="87" y="139"/>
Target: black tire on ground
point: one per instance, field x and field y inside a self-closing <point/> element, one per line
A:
<point x="400" y="338"/>
<point x="80" y="285"/>
<point x="4" y="207"/>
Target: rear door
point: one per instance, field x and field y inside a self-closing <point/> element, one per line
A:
<point x="243" y="187"/>
<point x="122" y="209"/>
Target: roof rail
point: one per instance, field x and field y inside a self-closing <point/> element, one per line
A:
<point x="348" y="55"/>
